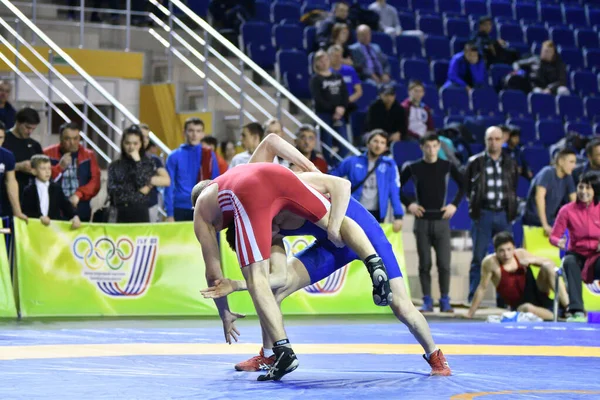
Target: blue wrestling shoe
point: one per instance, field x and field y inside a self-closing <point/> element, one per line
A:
<point x="427" y="304"/>
<point x="382" y="294"/>
<point x="445" y="305"/>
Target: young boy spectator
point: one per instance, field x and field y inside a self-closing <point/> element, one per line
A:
<point x="418" y="114"/>
<point x="44" y="199"/>
<point x="467" y="69"/>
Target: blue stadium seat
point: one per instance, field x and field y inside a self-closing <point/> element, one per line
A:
<point x="255" y="32"/>
<point x="592" y="58"/>
<point x="288" y="37"/>
<point x="457" y="27"/>
<point x="592" y="108"/>
<point x="587" y="38"/>
<point x="457" y="43"/>
<point x="416" y="69"/>
<point x="438" y="120"/>
<point x="474" y="7"/>
<point x="526" y="11"/>
<point x="550" y="13"/>
<point x="562" y="37"/>
<point x="200" y="7"/>
<point x="262" y="11"/>
<point x="308" y="7"/>
<point x="537" y="157"/>
<point x="594" y="16"/>
<point x="572" y="57"/>
<point x="542" y="105"/>
<point x="431" y="25"/>
<point x="406" y="151"/>
<point x="432" y="99"/>
<point x="401" y="91"/>
<point x="514" y="102"/>
<point x="368" y="97"/>
<point x="262" y="54"/>
<point x="527" y="126"/>
<point x="522" y="48"/>
<point x="293" y="68"/>
<point x="511" y="33"/>
<point x="281" y="10"/>
<point x="407" y="20"/>
<point x="357" y="122"/>
<point x="583" y="128"/>
<point x="596" y="129"/>
<point x="485" y="101"/>
<point x="461" y="221"/>
<point x="522" y="187"/>
<point x="500" y="8"/>
<point x="570" y="107"/>
<point x="408" y="46"/>
<point x="440" y="71"/>
<point x="394" y="67"/>
<point x="310" y="34"/>
<point x="575" y="15"/>
<point x="584" y="82"/>
<point x="437" y="47"/>
<point x="384" y="41"/>
<point x="536" y="34"/>
<point x="450" y="6"/>
<point x="497" y="74"/>
<point x="424" y="5"/>
<point x="455" y="100"/>
<point x="400" y="4"/>
<point x="550" y="132"/>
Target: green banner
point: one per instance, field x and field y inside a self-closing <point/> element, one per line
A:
<point x="7" y="297"/>
<point x="109" y="269"/>
<point x="537" y="243"/>
<point x="347" y="291"/>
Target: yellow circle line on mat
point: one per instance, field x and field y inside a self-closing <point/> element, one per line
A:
<point x="469" y="396"/>
<point x="152" y="349"/>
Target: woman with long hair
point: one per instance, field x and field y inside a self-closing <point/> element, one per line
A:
<point x="340" y="35"/>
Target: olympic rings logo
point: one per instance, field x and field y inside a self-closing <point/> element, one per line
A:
<point x="103" y="252"/>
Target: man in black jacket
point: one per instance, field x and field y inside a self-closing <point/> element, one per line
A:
<point x="491" y="189"/>
<point x="385" y="113"/>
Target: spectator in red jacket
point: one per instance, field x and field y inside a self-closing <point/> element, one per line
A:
<point x="211" y="142"/>
<point x="418" y="114"/>
<point x="75" y="168"/>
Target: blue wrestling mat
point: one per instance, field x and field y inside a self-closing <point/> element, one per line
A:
<point x="348" y="360"/>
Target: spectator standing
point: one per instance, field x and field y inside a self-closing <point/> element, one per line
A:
<point x="582" y="261"/>
<point x="228" y="151"/>
<point x="75" y="169"/>
<point x="375" y="179"/>
<point x="252" y="135"/>
<point x="19" y="142"/>
<point x="432" y="215"/>
<point x="545" y="73"/>
<point x="389" y="21"/>
<point x="9" y="192"/>
<point x="340" y="36"/>
<point x="7" y="111"/>
<point x="44" y="199"/>
<point x="467" y="69"/>
<point x="188" y="165"/>
<point x="274" y="126"/>
<point x="131" y="177"/>
<point x="418" y="114"/>
<point x="491" y="188"/>
<point x="494" y="51"/>
<point x="369" y="61"/>
<point x="386" y="114"/>
<point x="330" y="99"/>
<point x="592" y="151"/>
<point x="512" y="148"/>
<point x="353" y="84"/>
<point x="211" y="143"/>
<point x="339" y="15"/>
<point x="306" y="141"/>
<point x="154" y="202"/>
<point x="552" y="187"/>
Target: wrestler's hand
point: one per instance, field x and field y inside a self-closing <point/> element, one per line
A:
<point x="229" y="328"/>
<point x="222" y="288"/>
<point x="335" y="238"/>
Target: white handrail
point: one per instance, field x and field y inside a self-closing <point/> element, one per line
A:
<point x="54" y="107"/>
<point x="81" y="72"/>
<point x="204" y="25"/>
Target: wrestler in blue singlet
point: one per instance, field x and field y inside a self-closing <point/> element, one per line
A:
<point x="322" y="258"/>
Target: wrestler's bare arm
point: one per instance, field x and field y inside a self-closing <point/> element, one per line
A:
<point x="273" y="145"/>
<point x="487" y="268"/>
<point x="526" y="258"/>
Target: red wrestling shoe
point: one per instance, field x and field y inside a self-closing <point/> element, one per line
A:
<point x="256" y="363"/>
<point x="439" y="365"/>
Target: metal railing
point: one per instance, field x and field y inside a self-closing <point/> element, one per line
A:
<point x="90" y="81"/>
<point x="228" y="80"/>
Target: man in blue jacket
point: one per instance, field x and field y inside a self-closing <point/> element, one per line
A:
<point x="188" y="165"/>
<point x="375" y="179"/>
<point x="467" y="69"/>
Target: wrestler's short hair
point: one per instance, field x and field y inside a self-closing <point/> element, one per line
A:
<point x="503" y="238"/>
<point x="197" y="190"/>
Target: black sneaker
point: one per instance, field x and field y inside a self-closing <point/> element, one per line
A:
<point x="382" y="294"/>
<point x="285" y="362"/>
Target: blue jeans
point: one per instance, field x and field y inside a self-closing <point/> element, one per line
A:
<point x="482" y="232"/>
<point x="328" y="139"/>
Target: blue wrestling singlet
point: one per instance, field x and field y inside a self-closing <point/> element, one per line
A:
<point x="322" y="258"/>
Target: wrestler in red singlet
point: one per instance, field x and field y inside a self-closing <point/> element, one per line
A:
<point x="251" y="195"/>
<point x="512" y="284"/>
